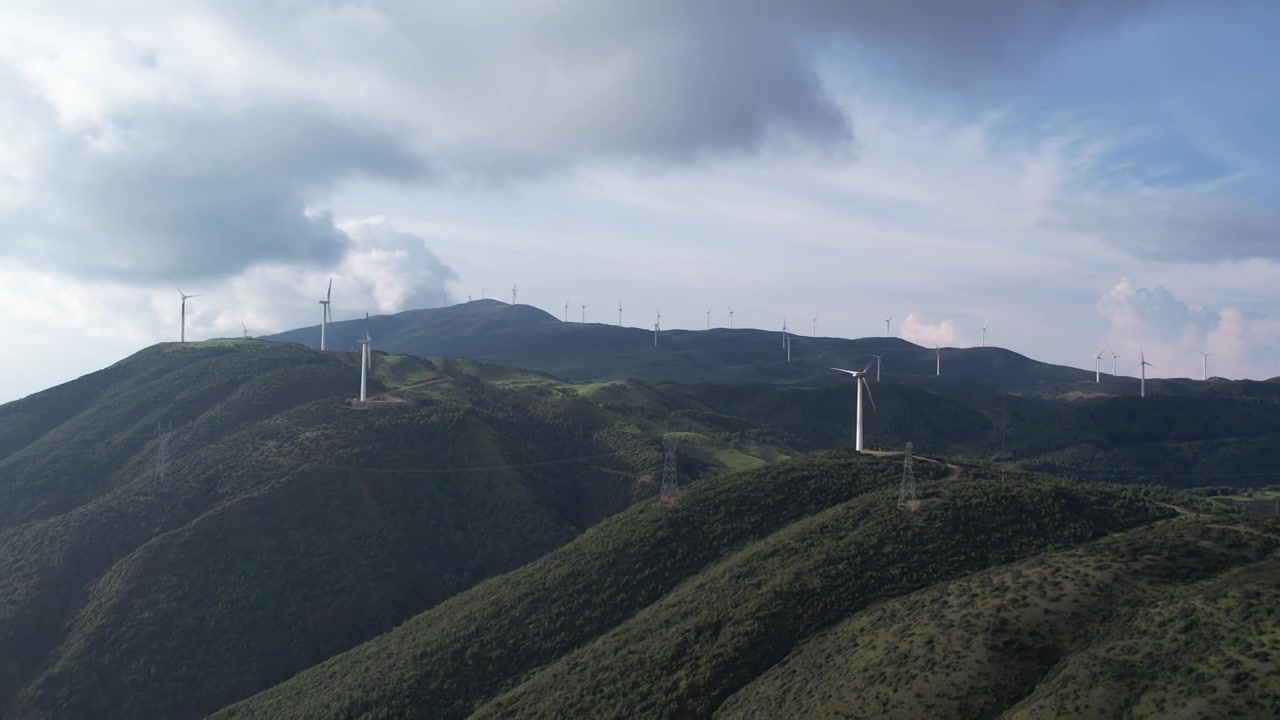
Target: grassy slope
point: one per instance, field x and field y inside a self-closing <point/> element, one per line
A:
<point x="253" y="553"/>
<point x="664" y="612"/>
<point x="1152" y="622"/>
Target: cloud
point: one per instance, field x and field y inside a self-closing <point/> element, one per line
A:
<point x="1176" y="224"/>
<point x="1172" y="334"/>
<point x="189" y="140"/>
<point x="917" y="330"/>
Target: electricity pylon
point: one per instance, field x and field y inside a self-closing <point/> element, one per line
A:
<point x="162" y="452"/>
<point x="670" y="480"/>
<point x="907" y="490"/>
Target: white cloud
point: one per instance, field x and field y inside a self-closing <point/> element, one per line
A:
<point x="1173" y="334"/>
<point x="921" y="332"/>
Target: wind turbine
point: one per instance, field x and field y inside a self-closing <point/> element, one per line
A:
<point x="815" y="323"/>
<point x="657" y="327"/>
<point x="1144" y="365"/>
<point x="325" y="317"/>
<point x="185" y="297"/>
<point x="937" y="351"/>
<point x="584" y="312"/>
<point x="364" y="360"/>
<point x="619" y="312"/>
<point x="786" y="339"/>
<point x="730" y="317"/>
<point x="709" y="318"/>
<point x="877" y="357"/>
<point x="513" y="293"/>
<point x="984" y="333"/>
<point x="566" y="311"/>
<point x="1114" y="357"/>
<point x="1097" y="367"/>
<point x="1205" y="359"/>
<point x="860" y="381"/>
<point x="246" y="330"/>
<point x="886" y="326"/>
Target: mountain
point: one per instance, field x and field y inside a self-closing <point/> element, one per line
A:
<point x="803" y="590"/>
<point x="272" y="523"/>
<point x="524" y="336"/>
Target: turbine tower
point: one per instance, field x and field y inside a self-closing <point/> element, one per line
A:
<point x="182" y="337"/>
<point x="325" y="317"/>
<point x="815" y="323"/>
<point x="584" y="312"/>
<point x="657" y="327"/>
<point x="709" y="318"/>
<point x="984" y="333"/>
<point x="566" y="311"/>
<point x="937" y="352"/>
<point x="619" y="312"/>
<point x="364" y="360"/>
<point x="1144" y="365"/>
<point x="730" y="317"/>
<point x="1114" y="357"/>
<point x="877" y="357"/>
<point x="786" y="338"/>
<point x="886" y="326"/>
<point x="1204" y="357"/>
<point x="859" y="381"/>
<point x="1097" y="367"/>
<point x="513" y="293"/>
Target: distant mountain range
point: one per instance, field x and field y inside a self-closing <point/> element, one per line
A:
<point x="523" y="336"/>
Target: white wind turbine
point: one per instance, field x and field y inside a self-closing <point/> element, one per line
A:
<point x="984" y="333"/>
<point x="730" y="317"/>
<point x="325" y="316"/>
<point x="246" y="330"/>
<point x="584" y="312"/>
<point x="1204" y="357"/>
<point x="619" y="312"/>
<point x="815" y="323"/>
<point x="1097" y="367"/>
<point x="709" y="318"/>
<point x="566" y="311"/>
<point x="365" y="342"/>
<point x="786" y="338"/>
<point x="886" y="326"/>
<point x="937" y="351"/>
<point x="877" y="357"/>
<point x="860" y="381"/>
<point x="513" y="293"/>
<point x="185" y="297"/>
<point x="1144" y="365"/>
<point x="1114" y="358"/>
<point x="657" y="328"/>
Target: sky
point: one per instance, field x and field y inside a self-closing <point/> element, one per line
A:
<point x="1080" y="176"/>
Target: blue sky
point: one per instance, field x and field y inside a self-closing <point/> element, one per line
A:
<point x="1079" y="175"/>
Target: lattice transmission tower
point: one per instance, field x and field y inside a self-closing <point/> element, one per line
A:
<point x="670" y="479"/>
<point x="162" y="452"/>
<point x="907" y="489"/>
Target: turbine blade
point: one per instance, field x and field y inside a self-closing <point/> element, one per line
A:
<point x="867" y="386"/>
<point x="851" y="372"/>
<point x="869" y="364"/>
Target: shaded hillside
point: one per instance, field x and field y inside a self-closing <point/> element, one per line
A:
<point x="286" y="525"/>
<point x="523" y="336"/>
<point x="673" y="612"/>
<point x="1176" y="619"/>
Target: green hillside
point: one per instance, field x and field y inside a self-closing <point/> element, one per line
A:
<point x="749" y="598"/>
<point x="289" y="524"/>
